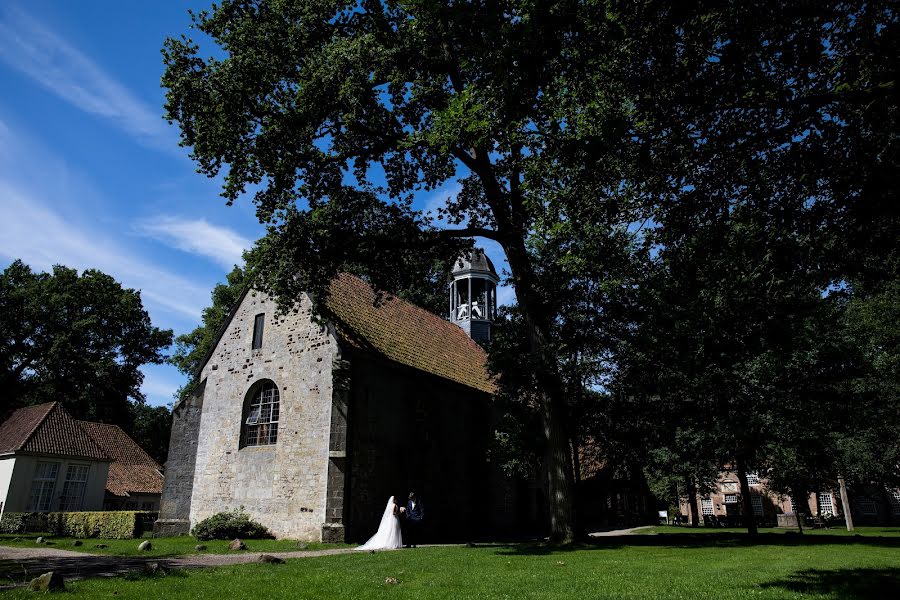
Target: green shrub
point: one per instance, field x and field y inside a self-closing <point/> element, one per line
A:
<point x="229" y="525"/>
<point x="13" y="523"/>
<point x="119" y="524"/>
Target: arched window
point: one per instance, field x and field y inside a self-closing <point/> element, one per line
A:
<point x="261" y="415"/>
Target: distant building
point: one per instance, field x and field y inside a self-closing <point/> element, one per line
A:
<point x="869" y="506"/>
<point x="50" y="462"/>
<point x="135" y="480"/>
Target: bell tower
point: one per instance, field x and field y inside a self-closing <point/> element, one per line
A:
<point x="473" y="295"/>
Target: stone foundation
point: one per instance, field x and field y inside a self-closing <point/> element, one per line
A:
<point x="171" y="527"/>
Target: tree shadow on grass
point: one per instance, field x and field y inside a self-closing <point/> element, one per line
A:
<point x="851" y="584"/>
<point x="704" y="540"/>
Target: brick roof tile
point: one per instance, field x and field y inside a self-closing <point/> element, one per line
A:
<point x="132" y="471"/>
<point x="47" y="429"/>
<point x="406" y="333"/>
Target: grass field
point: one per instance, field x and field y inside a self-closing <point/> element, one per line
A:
<point x="838" y="531"/>
<point x="721" y="566"/>
<point x="162" y="547"/>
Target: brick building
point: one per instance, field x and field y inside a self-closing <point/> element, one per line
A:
<point x="869" y="506"/>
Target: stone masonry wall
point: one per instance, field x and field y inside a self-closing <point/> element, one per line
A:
<point x="284" y="485"/>
<point x="175" y="504"/>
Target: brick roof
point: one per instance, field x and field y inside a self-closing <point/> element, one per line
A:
<point x="405" y="333"/>
<point x="47" y="429"/>
<point x="132" y="470"/>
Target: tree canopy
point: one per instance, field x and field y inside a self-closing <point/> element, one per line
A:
<point x="78" y="339"/>
<point x="565" y="123"/>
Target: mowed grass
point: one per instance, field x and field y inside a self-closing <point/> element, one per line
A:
<point x="162" y="547"/>
<point x="638" y="567"/>
<point x="866" y="531"/>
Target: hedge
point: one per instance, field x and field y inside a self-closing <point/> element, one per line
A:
<point x="120" y="524"/>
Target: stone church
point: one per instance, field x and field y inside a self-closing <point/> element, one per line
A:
<point x="310" y="424"/>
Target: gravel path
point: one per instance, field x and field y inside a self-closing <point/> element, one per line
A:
<point x="79" y="565"/>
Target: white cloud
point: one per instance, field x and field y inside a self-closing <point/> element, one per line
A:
<point x="197" y="236"/>
<point x="438" y="199"/>
<point x="39" y="53"/>
<point x="41" y="237"/>
<point x="158" y="386"/>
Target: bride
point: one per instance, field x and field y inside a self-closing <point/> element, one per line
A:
<point x="388" y="536"/>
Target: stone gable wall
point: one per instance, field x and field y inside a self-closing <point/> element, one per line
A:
<point x="283" y="486"/>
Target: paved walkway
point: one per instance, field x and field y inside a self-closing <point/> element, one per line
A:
<point x="79" y="565"/>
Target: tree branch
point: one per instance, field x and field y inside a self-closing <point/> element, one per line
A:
<point x="470" y="232"/>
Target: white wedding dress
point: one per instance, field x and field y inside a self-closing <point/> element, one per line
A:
<point x="388" y="536"/>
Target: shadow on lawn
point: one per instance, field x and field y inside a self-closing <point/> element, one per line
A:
<point x="704" y="540"/>
<point x="853" y="584"/>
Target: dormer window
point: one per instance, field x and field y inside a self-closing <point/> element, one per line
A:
<point x="258" y="324"/>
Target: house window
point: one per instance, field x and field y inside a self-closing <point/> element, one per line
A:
<point x="756" y="501"/>
<point x="261" y="424"/>
<point x="730" y="498"/>
<point x="867" y="505"/>
<point x="895" y="500"/>
<point x="826" y="508"/>
<point x="73" y="488"/>
<point x="752" y="479"/>
<point x="147" y="506"/>
<point x="706" y="506"/>
<point x="258" y="323"/>
<point x="42" y="487"/>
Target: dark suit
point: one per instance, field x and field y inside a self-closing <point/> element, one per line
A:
<point x="414" y="517"/>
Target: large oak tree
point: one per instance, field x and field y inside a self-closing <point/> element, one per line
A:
<point x="334" y="113"/>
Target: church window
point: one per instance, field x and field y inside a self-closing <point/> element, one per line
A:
<point x="258" y="324"/>
<point x="706" y="506"/>
<point x="261" y="423"/>
<point x="42" y="486"/>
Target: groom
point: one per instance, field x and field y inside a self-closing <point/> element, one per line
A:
<point x="414" y="515"/>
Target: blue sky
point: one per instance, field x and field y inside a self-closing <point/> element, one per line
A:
<point x="91" y="176"/>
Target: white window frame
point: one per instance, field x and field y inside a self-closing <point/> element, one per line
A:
<point x="752" y="479"/>
<point x="895" y="500"/>
<point x="706" y="507"/>
<point x="43" y="484"/>
<point x="261" y="425"/>
<point x="826" y="504"/>
<point x="867" y="506"/>
<point x="757" y="503"/>
<point x="731" y="498"/>
<point x="74" y="487"/>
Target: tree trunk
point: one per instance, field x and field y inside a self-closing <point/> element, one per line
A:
<point x="746" y="501"/>
<point x="551" y="396"/>
<point x="845" y="502"/>
<point x="692" y="502"/>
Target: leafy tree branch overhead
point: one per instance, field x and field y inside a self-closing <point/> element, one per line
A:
<point x="334" y="114"/>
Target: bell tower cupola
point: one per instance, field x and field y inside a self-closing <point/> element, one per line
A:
<point x="473" y="295"/>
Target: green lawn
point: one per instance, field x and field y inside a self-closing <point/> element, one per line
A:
<point x="839" y="531"/>
<point x="173" y="546"/>
<point x="718" y="567"/>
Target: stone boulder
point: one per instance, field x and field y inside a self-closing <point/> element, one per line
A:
<point x="48" y="582"/>
<point x="155" y="568"/>
<point x="77" y="543"/>
<point x="237" y="544"/>
<point x="145" y="546"/>
<point x="268" y="558"/>
<point x="40" y="540"/>
<point x="200" y="547"/>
